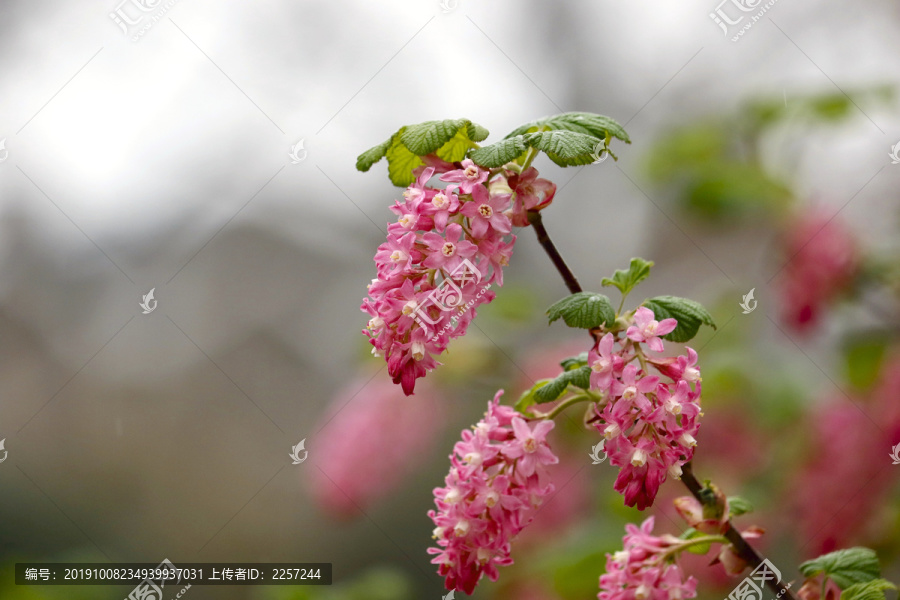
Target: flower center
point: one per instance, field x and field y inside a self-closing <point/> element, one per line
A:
<point x="650" y="328"/>
<point x="530" y="445"/>
<point x="492" y="499"/>
<point x="629" y="392"/>
<point x="601" y="365"/>
<point x="407" y="220"/>
<point x="485" y="211"/>
<point x="461" y="528"/>
<point x="418" y="350"/>
<point x="691" y="374"/>
<point x="398" y="256"/>
<point x="409" y="307"/>
<point x="440" y="201"/>
<point x="448" y="249"/>
<point x="471" y="173"/>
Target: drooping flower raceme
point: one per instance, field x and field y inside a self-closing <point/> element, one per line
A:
<point x="649" y="421"/>
<point x="497" y="481"/>
<point x="645" y="569"/>
<point x="447" y="248"/>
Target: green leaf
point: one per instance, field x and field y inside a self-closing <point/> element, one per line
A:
<point x="598" y="126"/>
<point x="553" y="389"/>
<point x="450" y="139"/>
<point x="528" y="397"/>
<point x="371" y="156"/>
<point x="689" y="314"/>
<point x="499" y="153"/>
<point x="430" y="136"/>
<point x="573" y="362"/>
<point x="689" y="534"/>
<point x="401" y="162"/>
<point x="585" y="310"/>
<point x="626" y="280"/>
<point x="565" y="148"/>
<point x="739" y="506"/>
<point x="871" y="590"/>
<point x="845" y="567"/>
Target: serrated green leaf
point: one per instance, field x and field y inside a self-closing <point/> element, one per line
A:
<point x="845" y="567"/>
<point x="498" y="154"/>
<point x="739" y="506"/>
<point x="371" y="156"/>
<point x="598" y="126"/>
<point x="689" y="314"/>
<point x="401" y="162"/>
<point x="450" y="139"/>
<point x="574" y="362"/>
<point x="580" y="377"/>
<point x="626" y="280"/>
<point x="584" y="310"/>
<point x="430" y="136"/>
<point x="565" y="148"/>
<point x="871" y="590"/>
<point x="528" y="399"/>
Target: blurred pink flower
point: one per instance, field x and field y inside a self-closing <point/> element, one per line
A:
<point x="845" y="481"/>
<point x="373" y="438"/>
<point x="823" y="261"/>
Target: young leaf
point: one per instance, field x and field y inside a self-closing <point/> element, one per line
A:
<point x="689" y="314"/>
<point x="627" y="280"/>
<point x="528" y="398"/>
<point x="585" y="310"/>
<point x="845" y="567"/>
<point x="580" y="377"/>
<point x="401" y="162"/>
<point x="871" y="590"/>
<point x="371" y="156"/>
<point x="739" y="506"/>
<point x="499" y="153"/>
<point x="691" y="533"/>
<point x="573" y="362"/>
<point x="598" y="126"/>
<point x="565" y="148"/>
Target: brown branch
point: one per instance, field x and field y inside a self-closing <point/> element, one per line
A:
<point x="741" y="547"/>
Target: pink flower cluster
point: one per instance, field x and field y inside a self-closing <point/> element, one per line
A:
<point x="448" y="246"/>
<point x="824" y="260"/>
<point x="645" y="568"/>
<point x="497" y="481"/>
<point x="372" y="438"/>
<point x="649" y="423"/>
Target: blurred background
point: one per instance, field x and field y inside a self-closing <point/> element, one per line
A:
<point x="205" y="151"/>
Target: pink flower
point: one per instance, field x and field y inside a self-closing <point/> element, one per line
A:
<point x="497" y="481"/>
<point x="486" y="212"/>
<point x="647" y="329"/>
<point x="531" y="193"/>
<point x="425" y="294"/>
<point x="649" y="424"/>
<point x="469" y="178"/>
<point x="447" y="252"/>
<point x="824" y="259"/>
<point x="389" y="437"/>
<point x="644" y="569"/>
